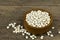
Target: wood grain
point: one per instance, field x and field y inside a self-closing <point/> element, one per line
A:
<point x="13" y="11"/>
<point x="28" y="2"/>
<point x="10" y="14"/>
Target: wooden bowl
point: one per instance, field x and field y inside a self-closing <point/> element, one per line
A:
<point x="35" y="30"/>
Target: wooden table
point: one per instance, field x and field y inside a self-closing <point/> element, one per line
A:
<point x="13" y="11"/>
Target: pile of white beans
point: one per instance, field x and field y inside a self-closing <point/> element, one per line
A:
<point x="38" y="18"/>
<point x="20" y="29"/>
<point x="24" y="32"/>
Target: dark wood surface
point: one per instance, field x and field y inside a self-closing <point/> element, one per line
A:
<point x="29" y="2"/>
<point x="13" y="11"/>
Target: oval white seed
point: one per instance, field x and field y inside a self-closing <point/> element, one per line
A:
<point x="21" y="27"/>
<point x="14" y="27"/>
<point x="14" y="31"/>
<point x="24" y="31"/>
<point x="50" y="31"/>
<point x="41" y="37"/>
<point x="26" y="37"/>
<point x="33" y="38"/>
<point x="53" y="27"/>
<point x="59" y="32"/>
<point x="30" y="36"/>
<point x="8" y="27"/>
<point x="10" y="24"/>
<point x="48" y="34"/>
<point x="51" y="35"/>
<point x="27" y="33"/>
<point x="23" y="34"/>
<point x="14" y="23"/>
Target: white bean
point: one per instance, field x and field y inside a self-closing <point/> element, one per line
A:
<point x="59" y="32"/>
<point x="26" y="37"/>
<point x="52" y="35"/>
